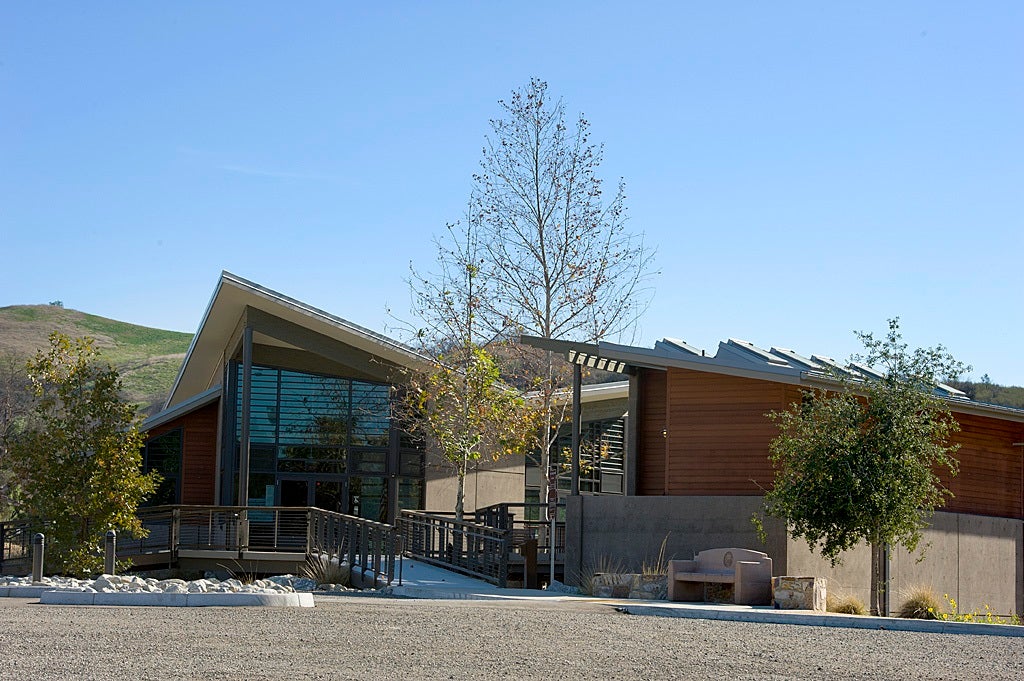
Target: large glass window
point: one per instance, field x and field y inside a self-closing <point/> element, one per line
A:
<point x="332" y="434"/>
<point x="163" y="455"/>
<point x="601" y="457"/>
<point x="368" y="497"/>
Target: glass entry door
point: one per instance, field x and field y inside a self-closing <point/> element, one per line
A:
<point x="322" y="492"/>
<point x="293" y="492"/>
<point x="329" y="495"/>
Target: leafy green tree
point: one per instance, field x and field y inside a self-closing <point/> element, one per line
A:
<point x="79" y="460"/>
<point x="464" y="412"/>
<point x="859" y="461"/>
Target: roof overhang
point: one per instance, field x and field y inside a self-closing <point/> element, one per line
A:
<point x="186" y="407"/>
<point x="624" y="357"/>
<point x="226" y="312"/>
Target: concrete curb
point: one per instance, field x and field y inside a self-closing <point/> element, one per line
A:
<point x="471" y="594"/>
<point x="728" y="613"/>
<point x="827" y="620"/>
<point x="22" y="591"/>
<point x="145" y="598"/>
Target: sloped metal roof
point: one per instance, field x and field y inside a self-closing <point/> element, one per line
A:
<point x="742" y="358"/>
<point x="232" y="295"/>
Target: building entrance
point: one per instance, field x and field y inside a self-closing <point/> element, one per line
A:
<point x="323" y="492"/>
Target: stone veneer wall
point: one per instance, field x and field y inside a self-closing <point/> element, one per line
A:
<point x="977" y="560"/>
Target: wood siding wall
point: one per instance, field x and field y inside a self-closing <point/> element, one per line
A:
<point x="198" y="455"/>
<point x="991" y="477"/>
<point x="651" y="444"/>
<point x="718" y="435"/>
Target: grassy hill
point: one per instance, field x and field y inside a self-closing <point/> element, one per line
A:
<point x="985" y="391"/>
<point x="147" y="358"/>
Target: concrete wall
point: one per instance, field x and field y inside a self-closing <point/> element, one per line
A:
<point x="489" y="482"/>
<point x="851" y="577"/>
<point x="978" y="560"/>
<point x="630" y="530"/>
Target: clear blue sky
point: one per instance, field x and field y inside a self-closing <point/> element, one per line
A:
<point x="804" y="169"/>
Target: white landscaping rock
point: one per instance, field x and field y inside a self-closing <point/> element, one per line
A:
<point x="136" y="590"/>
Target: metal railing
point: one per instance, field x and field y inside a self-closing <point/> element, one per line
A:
<point x="467" y="547"/>
<point x="16" y="543"/>
<point x="515" y="517"/>
<point x="370" y="546"/>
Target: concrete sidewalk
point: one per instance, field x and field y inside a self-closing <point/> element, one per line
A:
<point x="420" y="580"/>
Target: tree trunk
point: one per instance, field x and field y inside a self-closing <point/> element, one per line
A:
<point x="879" y="579"/>
<point x="460" y="493"/>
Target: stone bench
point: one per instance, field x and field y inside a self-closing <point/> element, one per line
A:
<point x="749" y="572"/>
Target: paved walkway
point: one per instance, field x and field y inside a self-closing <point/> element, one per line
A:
<point x="420" y="580"/>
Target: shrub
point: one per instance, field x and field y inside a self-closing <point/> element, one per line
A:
<point x="598" y="566"/>
<point x="921" y="604"/>
<point x="245" y="575"/>
<point x="845" y="605"/>
<point x="989" y="617"/>
<point x="325" y="571"/>
<point x="658" y="567"/>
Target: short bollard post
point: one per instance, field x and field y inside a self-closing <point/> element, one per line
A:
<point x="111" y="553"/>
<point x="38" y="553"/>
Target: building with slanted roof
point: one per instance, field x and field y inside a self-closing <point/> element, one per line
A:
<point x="696" y="466"/>
<point x="279" y="403"/>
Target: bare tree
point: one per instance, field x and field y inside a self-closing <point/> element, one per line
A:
<point x="541" y="251"/>
<point x="559" y="260"/>
<point x="557" y="256"/>
<point x="15" y="405"/>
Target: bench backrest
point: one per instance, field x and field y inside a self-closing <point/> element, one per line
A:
<point x="724" y="560"/>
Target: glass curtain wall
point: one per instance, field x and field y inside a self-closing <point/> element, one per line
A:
<point x="601" y="460"/>
<point x="323" y="441"/>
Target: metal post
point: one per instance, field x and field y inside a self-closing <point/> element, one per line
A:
<point x="551" y="550"/>
<point x="110" y="555"/>
<point x="885" y="580"/>
<point x="243" y="531"/>
<point x="243" y="454"/>
<point x="38" y="554"/>
<point x="577" y="425"/>
<point x="553" y="515"/>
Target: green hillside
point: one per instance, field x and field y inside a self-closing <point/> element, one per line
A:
<point x="147" y="358"/>
<point x="986" y="391"/>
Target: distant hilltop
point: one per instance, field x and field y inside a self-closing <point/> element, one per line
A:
<point x="147" y="358"/>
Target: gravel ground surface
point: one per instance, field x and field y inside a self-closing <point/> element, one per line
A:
<point x="381" y="639"/>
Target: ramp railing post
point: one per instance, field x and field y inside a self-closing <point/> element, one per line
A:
<point x="38" y="553"/>
<point x="110" y="554"/>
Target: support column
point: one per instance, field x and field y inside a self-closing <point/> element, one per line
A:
<point x="577" y="415"/>
<point x="393" y="466"/>
<point x="243" y="455"/>
<point x="632" y="421"/>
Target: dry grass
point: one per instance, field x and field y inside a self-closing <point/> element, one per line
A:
<point x="324" y="571"/>
<point x="148" y="359"/>
<point x="659" y="566"/>
<point x="920" y="603"/>
<point x="845" y="604"/>
<point x="597" y="566"/>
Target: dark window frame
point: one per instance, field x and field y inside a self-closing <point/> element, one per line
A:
<point x="178" y="475"/>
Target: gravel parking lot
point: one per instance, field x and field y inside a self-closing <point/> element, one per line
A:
<point x="378" y="638"/>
